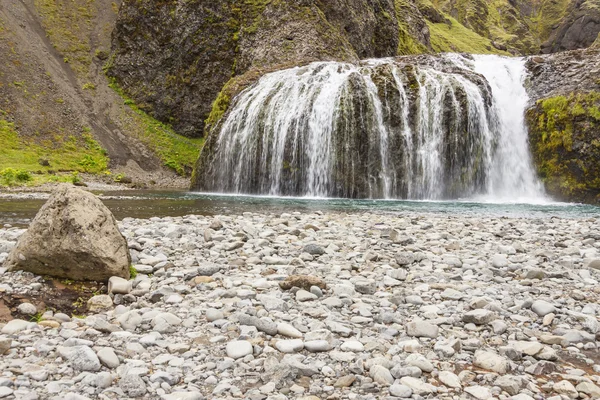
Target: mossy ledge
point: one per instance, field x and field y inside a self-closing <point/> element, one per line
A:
<point x="564" y="132"/>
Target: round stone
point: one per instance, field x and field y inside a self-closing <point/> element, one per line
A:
<point x="239" y="348"/>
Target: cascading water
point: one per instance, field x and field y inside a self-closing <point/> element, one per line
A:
<point x="416" y="128"/>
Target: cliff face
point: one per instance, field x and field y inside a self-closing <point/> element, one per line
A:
<point x="564" y="123"/>
<point x="579" y="29"/>
<point x="175" y="57"/>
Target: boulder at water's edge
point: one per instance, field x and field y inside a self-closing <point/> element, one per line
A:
<point x="73" y="236"/>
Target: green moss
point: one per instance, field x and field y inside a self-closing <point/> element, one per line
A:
<point x="35" y="161"/>
<point x="219" y="107"/>
<point x="132" y="272"/>
<point x="406" y="44"/>
<point x="454" y="37"/>
<point x="176" y="152"/>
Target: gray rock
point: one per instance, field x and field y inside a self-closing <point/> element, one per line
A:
<point x="479" y="317"/>
<point x="213" y="314"/>
<point x="107" y="357"/>
<point x="72" y="236"/>
<point x="289" y="346"/>
<point x="313" y="249"/>
<point x="239" y="348"/>
<point x="27" y="309"/>
<point x="317" y="345"/>
<point x="422" y="329"/>
<point x="381" y="375"/>
<point x="82" y="358"/>
<point x="133" y="385"/>
<point x="499" y="261"/>
<point x="263" y="325"/>
<point x="401" y="391"/>
<point x="14" y="326"/>
<point x="365" y="286"/>
<point x="118" y="285"/>
<point x="491" y="362"/>
<point x="542" y="308"/>
<point x="418" y="386"/>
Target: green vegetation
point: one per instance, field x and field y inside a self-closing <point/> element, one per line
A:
<point x="132" y="272"/>
<point x="68" y="24"/>
<point x="176" y="152"/>
<point x="31" y="161"/>
<point x="556" y="125"/>
<point x="219" y="107"/>
<point x="454" y="37"/>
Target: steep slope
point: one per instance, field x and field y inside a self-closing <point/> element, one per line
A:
<point x="520" y="26"/>
<point x="55" y="102"/>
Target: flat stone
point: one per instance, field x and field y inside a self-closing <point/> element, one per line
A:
<point x="238" y="349"/>
<point x="15" y="326"/>
<point x="449" y="379"/>
<point x="589" y="388"/>
<point x="479" y="317"/>
<point x="491" y="362"/>
<point x="289" y="346"/>
<point x="381" y="375"/>
<point x="479" y="392"/>
<point x="108" y="357"/>
<point x="419" y="361"/>
<point x="418" y="386"/>
<point x="288" y="330"/>
<point x="317" y="345"/>
<point x="422" y="329"/>
<point x="304" y="295"/>
<point x="566" y="388"/>
<point x="213" y="314"/>
<point x="133" y="385"/>
<point x="542" y="308"/>
<point x="82" y="358"/>
<point x="352" y="345"/>
<point x="401" y="391"/>
<point x="509" y="383"/>
<point x="344" y="381"/>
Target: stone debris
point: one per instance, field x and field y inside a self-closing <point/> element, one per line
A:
<point x="322" y="306"/>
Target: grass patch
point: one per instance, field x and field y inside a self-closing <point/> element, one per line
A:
<point x="132" y="272"/>
<point x="67" y="24"/>
<point x="454" y="37"/>
<point x="176" y="152"/>
<point x="25" y="161"/>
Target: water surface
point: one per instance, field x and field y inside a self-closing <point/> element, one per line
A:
<point x="147" y="204"/>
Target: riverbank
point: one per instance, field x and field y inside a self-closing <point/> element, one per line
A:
<point x="434" y="305"/>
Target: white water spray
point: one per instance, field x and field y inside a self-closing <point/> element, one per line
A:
<point x="391" y="128"/>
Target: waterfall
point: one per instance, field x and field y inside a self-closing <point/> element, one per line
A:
<point x="421" y="127"/>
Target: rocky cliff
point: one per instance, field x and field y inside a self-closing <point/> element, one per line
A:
<point x="564" y="123"/>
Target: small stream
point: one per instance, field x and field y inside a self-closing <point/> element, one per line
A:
<point x="148" y="204"/>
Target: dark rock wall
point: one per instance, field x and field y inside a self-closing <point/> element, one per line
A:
<point x="579" y="29"/>
<point x="174" y="57"/>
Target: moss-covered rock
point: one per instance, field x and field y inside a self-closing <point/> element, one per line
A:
<point x="564" y="132"/>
